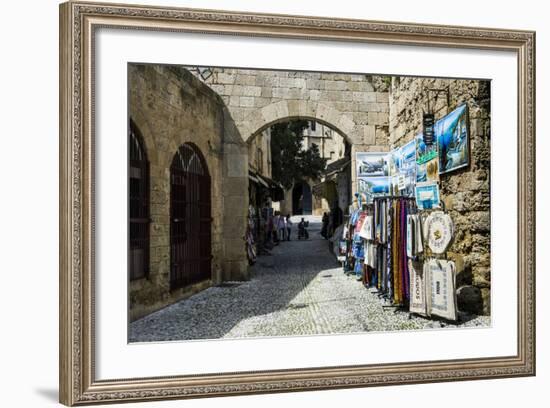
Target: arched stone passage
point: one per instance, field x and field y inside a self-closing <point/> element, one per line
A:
<point x="355" y="105"/>
<point x="287" y="110"/>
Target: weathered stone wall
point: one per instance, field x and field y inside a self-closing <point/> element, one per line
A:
<point x="465" y="192"/>
<point x="171" y="107"/>
<point x="355" y="105"/>
<point x="260" y="162"/>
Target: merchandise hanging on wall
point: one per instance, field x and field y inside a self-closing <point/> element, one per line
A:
<point x="439" y="230"/>
<point x="371" y="164"/>
<point x="414" y="236"/>
<point x="424" y="152"/>
<point x="453" y="140"/>
<point x="373" y="187"/>
<point x="427" y="195"/>
<point x="428" y="171"/>
<point x="418" y="301"/>
<point x="403" y="169"/>
<point x="442" y="288"/>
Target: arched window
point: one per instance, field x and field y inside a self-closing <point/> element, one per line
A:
<point x="138" y="208"/>
<point x="190" y="218"/>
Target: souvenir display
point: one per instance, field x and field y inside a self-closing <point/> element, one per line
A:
<point x="453" y="140"/>
<point x="428" y="171"/>
<point x="414" y="236"/>
<point x="387" y="233"/>
<point x="374" y="186"/>
<point x="384" y="247"/>
<point x="438" y="228"/>
<point x="441" y="285"/>
<point x="403" y="169"/>
<point x="424" y="152"/>
<point x="367" y="231"/>
<point x="371" y="164"/>
<point x="427" y="196"/>
<point x="418" y="301"/>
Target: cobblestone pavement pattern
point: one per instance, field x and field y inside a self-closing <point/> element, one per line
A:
<point x="298" y="290"/>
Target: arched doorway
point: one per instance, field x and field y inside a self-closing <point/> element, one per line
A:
<point x="190" y="218"/>
<point x="301" y="199"/>
<point x="138" y="205"/>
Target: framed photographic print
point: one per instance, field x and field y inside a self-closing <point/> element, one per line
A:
<point x="229" y="222"/>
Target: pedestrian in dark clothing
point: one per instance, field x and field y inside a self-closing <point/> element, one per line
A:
<point x="324" y="228"/>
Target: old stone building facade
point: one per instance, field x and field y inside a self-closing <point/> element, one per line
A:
<point x="165" y="104"/>
<point x="465" y="192"/>
<point x="224" y="119"/>
<point x="354" y="105"/>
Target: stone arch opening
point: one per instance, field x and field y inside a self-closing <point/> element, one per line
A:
<point x="301" y="197"/>
<point x="286" y="111"/>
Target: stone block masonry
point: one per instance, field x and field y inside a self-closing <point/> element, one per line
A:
<point x="357" y="106"/>
<point x="465" y="192"/>
<point x="170" y="107"/>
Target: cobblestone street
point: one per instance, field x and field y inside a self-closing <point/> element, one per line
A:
<point x="299" y="289"/>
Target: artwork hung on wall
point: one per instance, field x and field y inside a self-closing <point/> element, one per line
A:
<point x="374" y="186"/>
<point x="428" y="171"/>
<point x="424" y="153"/>
<point x="453" y="140"/>
<point x="371" y="164"/>
<point x="403" y="169"/>
<point x="427" y="195"/>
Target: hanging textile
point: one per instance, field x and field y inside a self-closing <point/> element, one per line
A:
<point x="418" y="301"/>
<point x="403" y="251"/>
<point x="388" y="222"/>
<point x="396" y="273"/>
<point x="360" y="221"/>
<point x="366" y="231"/>
<point x="442" y="288"/>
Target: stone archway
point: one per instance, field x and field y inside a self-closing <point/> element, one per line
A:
<point x="287" y="110"/>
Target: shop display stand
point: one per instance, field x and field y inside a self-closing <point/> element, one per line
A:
<point x="427" y="254"/>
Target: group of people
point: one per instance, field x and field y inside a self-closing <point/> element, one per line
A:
<point x="278" y="228"/>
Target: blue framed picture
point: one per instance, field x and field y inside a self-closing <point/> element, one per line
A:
<point x="453" y="140"/>
<point x="427" y="195"/>
<point x="373" y="186"/>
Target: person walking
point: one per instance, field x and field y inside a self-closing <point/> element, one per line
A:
<point x="282" y="227"/>
<point x="302" y="229"/>
<point x="324" y="228"/>
<point x="288" y="227"/>
<point x="275" y="230"/>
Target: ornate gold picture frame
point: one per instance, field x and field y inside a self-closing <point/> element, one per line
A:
<point x="78" y="24"/>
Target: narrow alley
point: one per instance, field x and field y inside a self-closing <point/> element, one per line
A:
<point x="299" y="289"/>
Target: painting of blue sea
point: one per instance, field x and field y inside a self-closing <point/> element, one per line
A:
<point x="453" y="140"/>
<point x="374" y="186"/>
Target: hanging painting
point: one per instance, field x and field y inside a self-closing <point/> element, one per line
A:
<point x="452" y="136"/>
<point x="427" y="196"/>
<point x="404" y="160"/>
<point x="373" y="186"/>
<point x="428" y="171"/>
<point x="424" y="152"/>
<point x="371" y="164"/>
